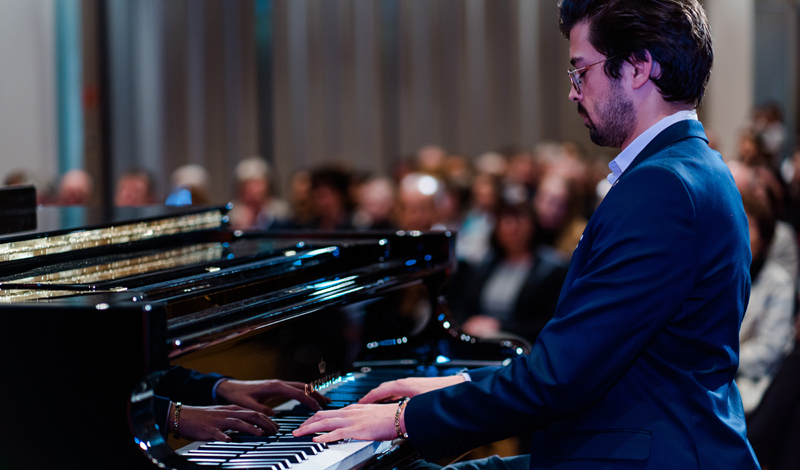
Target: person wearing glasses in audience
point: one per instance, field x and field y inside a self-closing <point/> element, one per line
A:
<point x="636" y="369"/>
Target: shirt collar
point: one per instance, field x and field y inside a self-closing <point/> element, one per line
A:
<point x="626" y="157"/>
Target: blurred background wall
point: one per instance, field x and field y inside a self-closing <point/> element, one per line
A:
<point x="28" y="105"/>
<point x="161" y="83"/>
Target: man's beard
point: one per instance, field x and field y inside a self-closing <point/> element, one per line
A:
<point x="616" y="117"/>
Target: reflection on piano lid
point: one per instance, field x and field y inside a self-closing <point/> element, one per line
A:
<point x="79" y="280"/>
<point x="113" y="235"/>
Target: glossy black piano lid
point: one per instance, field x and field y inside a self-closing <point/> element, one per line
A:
<point x="260" y="305"/>
<point x="56" y="220"/>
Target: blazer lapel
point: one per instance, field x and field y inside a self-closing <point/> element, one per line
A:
<point x="679" y="131"/>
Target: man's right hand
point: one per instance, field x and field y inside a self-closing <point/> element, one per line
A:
<point x="207" y="423"/>
<point x="394" y="390"/>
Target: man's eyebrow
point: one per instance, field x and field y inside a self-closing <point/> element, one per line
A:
<point x="575" y="61"/>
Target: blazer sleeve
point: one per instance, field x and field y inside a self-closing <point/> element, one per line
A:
<point x="618" y="296"/>
<point x="188" y="386"/>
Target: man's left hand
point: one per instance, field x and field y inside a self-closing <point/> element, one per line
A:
<point x="362" y="422"/>
<point x="253" y="394"/>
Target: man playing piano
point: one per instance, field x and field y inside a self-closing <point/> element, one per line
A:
<point x="636" y="368"/>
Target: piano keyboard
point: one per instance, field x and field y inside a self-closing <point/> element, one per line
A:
<point x="283" y="451"/>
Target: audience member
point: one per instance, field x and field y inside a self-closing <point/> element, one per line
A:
<point x="135" y="188"/>
<point x="376" y="205"/>
<point x="559" y="218"/>
<point x="472" y="243"/>
<point x="762" y="184"/>
<point x="791" y="175"/>
<point x="752" y="151"/>
<point x="522" y="177"/>
<point x="330" y="201"/>
<point x="75" y="188"/>
<point x="189" y="186"/>
<point x="457" y="169"/>
<point x="256" y="208"/>
<point x="44" y="191"/>
<point x="768" y="125"/>
<point x="430" y="159"/>
<point x="17" y="178"/>
<point x="516" y="287"/>
<point x="454" y="206"/>
<point x="774" y="427"/>
<point x="419" y="203"/>
<point x="300" y="198"/>
<point x="493" y="163"/>
<point x="766" y="334"/>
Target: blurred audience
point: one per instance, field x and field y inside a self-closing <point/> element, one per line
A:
<point x="762" y="185"/>
<point x="559" y="216"/>
<point x="774" y="427"/>
<point x="751" y="150"/>
<point x="375" y="206"/>
<point x="189" y="186"/>
<point x="472" y="243"/>
<point x="18" y="178"/>
<point x="330" y="202"/>
<point x="256" y="208"/>
<point x="766" y="334"/>
<point x="431" y="159"/>
<point x="419" y="203"/>
<point x="135" y="188"/>
<point x="75" y="188"/>
<point x="300" y="198"/>
<point x="768" y="125"/>
<point x="516" y="287"/>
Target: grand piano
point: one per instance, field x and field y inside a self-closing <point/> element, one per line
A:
<point x="96" y="307"/>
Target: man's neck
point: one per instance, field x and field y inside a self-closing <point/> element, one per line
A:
<point x="650" y="113"/>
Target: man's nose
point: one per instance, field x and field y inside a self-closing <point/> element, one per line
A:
<point x="574" y="95"/>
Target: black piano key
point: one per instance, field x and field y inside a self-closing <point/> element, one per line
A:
<point x="210" y="455"/>
<point x="319" y="446"/>
<point x="250" y="439"/>
<point x="223" y="444"/>
<point x="221" y="453"/>
<point x="309" y="449"/>
<point x="294" y="413"/>
<point x="292" y="457"/>
<point x="279" y="464"/>
<point x="291" y="438"/>
<point x="250" y="466"/>
<point x="231" y="448"/>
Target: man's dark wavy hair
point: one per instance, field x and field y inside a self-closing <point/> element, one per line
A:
<point x="675" y="32"/>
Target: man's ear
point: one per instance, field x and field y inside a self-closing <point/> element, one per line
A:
<point x="643" y="69"/>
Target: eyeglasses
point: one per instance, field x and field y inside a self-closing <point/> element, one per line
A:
<point x="575" y="75"/>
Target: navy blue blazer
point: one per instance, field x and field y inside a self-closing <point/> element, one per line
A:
<point x="636" y="368"/>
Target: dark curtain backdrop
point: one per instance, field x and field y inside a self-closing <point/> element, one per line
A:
<point x="365" y="82"/>
<point x="304" y="82"/>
